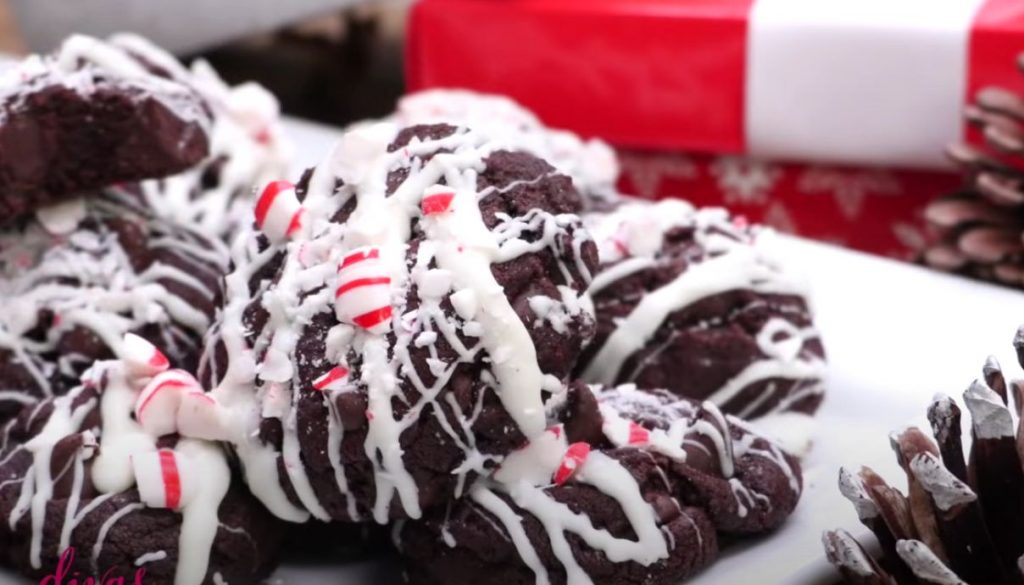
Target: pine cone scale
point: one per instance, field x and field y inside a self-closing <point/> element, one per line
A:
<point x="990" y="245"/>
<point x="1001" y="190"/>
<point x="956" y="210"/>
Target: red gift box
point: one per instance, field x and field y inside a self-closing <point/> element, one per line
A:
<point x="870" y="209"/>
<point x="862" y="82"/>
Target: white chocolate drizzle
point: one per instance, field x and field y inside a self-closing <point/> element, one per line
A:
<point x="151" y="557"/>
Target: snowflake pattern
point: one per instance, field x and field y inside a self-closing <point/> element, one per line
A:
<point x="875" y="210"/>
<point x="849" y="187"/>
<point x="646" y="171"/>
<point x="778" y="217"/>
<point x="743" y="181"/>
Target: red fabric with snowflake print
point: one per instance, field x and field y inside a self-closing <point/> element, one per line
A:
<point x="869" y="209"/>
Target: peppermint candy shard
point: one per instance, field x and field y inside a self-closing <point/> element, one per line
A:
<point x="362" y="295"/>
<point x="359" y="255"/>
<point x="573" y="459"/>
<point x="361" y="282"/>
<point x="332" y="379"/>
<point x="158" y="478"/>
<point x="156" y="408"/>
<point x="141" y="357"/>
<point x="638" y="435"/>
<point x="436" y="200"/>
<point x="375" y="321"/>
<point x="279" y="212"/>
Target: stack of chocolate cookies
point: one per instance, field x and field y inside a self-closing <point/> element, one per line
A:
<point x="432" y="330"/>
<point x="99" y="266"/>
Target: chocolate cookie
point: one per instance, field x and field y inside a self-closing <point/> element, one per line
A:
<point x="394" y="328"/>
<point x="695" y="302"/>
<point x="247" y="149"/>
<point x="591" y="163"/>
<point x="77" y="276"/>
<point x="92" y="114"/>
<point x="632" y="488"/>
<point x="91" y="485"/>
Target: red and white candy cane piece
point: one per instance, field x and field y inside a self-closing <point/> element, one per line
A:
<point x="436" y="200"/>
<point x="620" y="246"/>
<point x="200" y="416"/>
<point x="334" y="379"/>
<point x="638" y="435"/>
<point x="156" y="408"/>
<point x="159" y="476"/>
<point x="573" y="459"/>
<point x="141" y="357"/>
<point x="358" y="256"/>
<point x="363" y="293"/>
<point x="279" y="214"/>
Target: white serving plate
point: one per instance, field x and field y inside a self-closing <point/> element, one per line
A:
<point x="895" y="335"/>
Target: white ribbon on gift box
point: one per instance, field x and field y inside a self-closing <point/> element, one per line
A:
<point x="867" y="82"/>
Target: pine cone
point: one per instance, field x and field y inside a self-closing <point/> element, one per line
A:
<point x="981" y="227"/>
<point x="962" y="520"/>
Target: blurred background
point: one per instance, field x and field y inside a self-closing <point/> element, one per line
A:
<point x="10" y="40"/>
<point x="333" y="61"/>
<point x="894" y="128"/>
